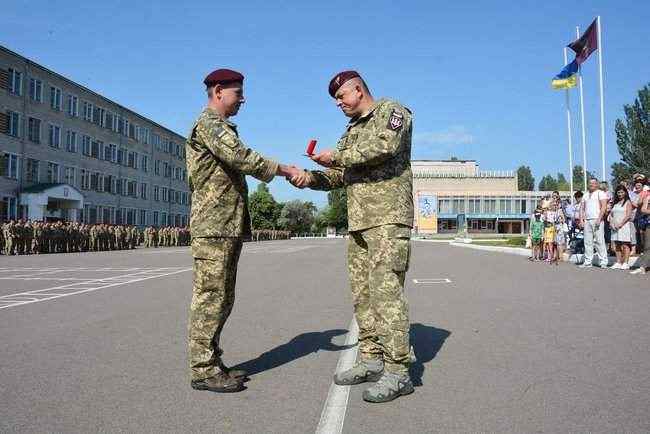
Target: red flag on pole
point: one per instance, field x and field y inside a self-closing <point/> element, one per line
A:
<point x="586" y="44"/>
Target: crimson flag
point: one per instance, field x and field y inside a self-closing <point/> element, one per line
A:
<point x="586" y="44"/>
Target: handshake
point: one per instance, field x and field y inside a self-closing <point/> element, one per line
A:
<point x="301" y="178"/>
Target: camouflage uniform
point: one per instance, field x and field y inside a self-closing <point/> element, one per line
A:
<point x="217" y="162"/>
<point x="373" y="162"/>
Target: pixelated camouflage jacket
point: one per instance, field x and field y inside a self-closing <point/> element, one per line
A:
<point x="217" y="165"/>
<point x="373" y="161"/>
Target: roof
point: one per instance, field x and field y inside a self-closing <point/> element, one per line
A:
<point x="39" y="188"/>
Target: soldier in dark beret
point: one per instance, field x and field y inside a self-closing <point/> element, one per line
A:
<point x="217" y="164"/>
<point x="372" y="160"/>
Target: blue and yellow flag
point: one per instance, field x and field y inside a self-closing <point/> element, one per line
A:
<point x="567" y="78"/>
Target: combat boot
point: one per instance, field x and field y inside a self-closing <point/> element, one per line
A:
<point x="390" y="386"/>
<point x="220" y="382"/>
<point x="237" y="374"/>
<point x="363" y="371"/>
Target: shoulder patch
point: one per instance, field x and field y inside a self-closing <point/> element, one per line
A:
<point x="395" y="120"/>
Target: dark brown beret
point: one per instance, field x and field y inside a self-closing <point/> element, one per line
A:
<point x="340" y="79"/>
<point x="223" y="76"/>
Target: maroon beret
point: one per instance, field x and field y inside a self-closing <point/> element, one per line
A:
<point x="223" y="76"/>
<point x="340" y="79"/>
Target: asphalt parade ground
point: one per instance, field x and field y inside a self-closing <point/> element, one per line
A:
<point x="97" y="342"/>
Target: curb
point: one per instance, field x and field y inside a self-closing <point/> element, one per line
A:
<point x="574" y="258"/>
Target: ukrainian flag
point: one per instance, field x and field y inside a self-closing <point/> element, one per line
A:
<point x="567" y="78"/>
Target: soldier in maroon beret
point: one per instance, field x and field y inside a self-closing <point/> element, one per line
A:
<point x="217" y="164"/>
<point x="372" y="161"/>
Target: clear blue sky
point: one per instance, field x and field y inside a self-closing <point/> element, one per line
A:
<point x="475" y="74"/>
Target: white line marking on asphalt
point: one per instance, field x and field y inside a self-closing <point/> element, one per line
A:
<point x="39" y="295"/>
<point x="431" y="281"/>
<point x="336" y="404"/>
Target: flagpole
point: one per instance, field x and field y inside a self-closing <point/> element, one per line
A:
<point x="568" y="124"/>
<point x="602" y="103"/>
<point x="582" y="121"/>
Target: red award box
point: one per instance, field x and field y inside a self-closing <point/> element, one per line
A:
<point x="311" y="146"/>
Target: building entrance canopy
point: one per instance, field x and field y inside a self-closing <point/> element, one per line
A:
<point x="52" y="201"/>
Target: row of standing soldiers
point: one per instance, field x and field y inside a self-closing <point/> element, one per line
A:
<point x="25" y="237"/>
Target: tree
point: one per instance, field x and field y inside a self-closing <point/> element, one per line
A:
<point x="578" y="178"/>
<point x="525" y="180"/>
<point x="633" y="136"/>
<point x="548" y="183"/>
<point x="264" y="210"/>
<point x="621" y="172"/>
<point x="562" y="183"/>
<point x="337" y="210"/>
<point x="297" y="216"/>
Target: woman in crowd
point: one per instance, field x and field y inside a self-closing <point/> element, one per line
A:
<point x="644" y="211"/>
<point x="620" y="221"/>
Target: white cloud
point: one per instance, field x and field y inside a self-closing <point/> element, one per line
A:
<point x="454" y="135"/>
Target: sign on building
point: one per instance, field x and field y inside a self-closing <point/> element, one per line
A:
<point x="427" y="213"/>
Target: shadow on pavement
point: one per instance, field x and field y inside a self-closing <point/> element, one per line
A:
<point x="426" y="342"/>
<point x="300" y="346"/>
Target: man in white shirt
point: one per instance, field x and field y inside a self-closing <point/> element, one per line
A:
<point x="593" y="210"/>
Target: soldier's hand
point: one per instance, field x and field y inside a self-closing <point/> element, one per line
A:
<point x="323" y="158"/>
<point x="301" y="180"/>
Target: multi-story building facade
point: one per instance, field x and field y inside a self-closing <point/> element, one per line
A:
<point x="69" y="153"/>
<point x="449" y="193"/>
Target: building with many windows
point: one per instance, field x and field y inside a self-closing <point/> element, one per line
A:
<point x="69" y="153"/>
<point x="452" y="193"/>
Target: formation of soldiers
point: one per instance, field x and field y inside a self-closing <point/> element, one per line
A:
<point x="24" y="237"/>
<point x="270" y="234"/>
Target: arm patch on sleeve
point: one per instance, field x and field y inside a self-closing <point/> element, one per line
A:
<point x="396" y="120"/>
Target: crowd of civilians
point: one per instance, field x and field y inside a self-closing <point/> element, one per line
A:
<point x="595" y="223"/>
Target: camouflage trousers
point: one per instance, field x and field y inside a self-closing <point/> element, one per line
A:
<point x="213" y="297"/>
<point x="378" y="259"/>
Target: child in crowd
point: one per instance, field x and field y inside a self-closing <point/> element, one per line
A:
<point x="536" y="234"/>
<point x="550" y="219"/>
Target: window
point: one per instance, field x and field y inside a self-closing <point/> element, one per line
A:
<point x="86" y="145"/>
<point x="88" y="111"/>
<point x="167" y="170"/>
<point x="131" y="131"/>
<point x="144" y="163"/>
<point x="132" y="187"/>
<point x="125" y="127"/>
<point x="101" y="179"/>
<point x="98" y="116"/>
<point x="95" y="149"/>
<point x="69" y="175"/>
<point x="52" y="173"/>
<point x="73" y="106"/>
<point x="142" y="220"/>
<point x="165" y="195"/>
<point x="505" y="206"/>
<point x="444" y="206"/>
<point x="474" y="205"/>
<point x="112" y="150"/>
<point x="111" y="121"/>
<point x="177" y="173"/>
<point x="172" y="195"/>
<point x="144" y="135"/>
<point x="156" y="193"/>
<point x="15" y="82"/>
<point x="121" y="156"/>
<point x="108" y="184"/>
<point x="131" y="159"/>
<point x="163" y="218"/>
<point x="156" y="167"/>
<point x="55" y="98"/>
<point x="143" y="190"/>
<point x="489" y="206"/>
<point x="54" y="136"/>
<point x="85" y="179"/>
<point x="155" y="218"/>
<point x="34" y="130"/>
<point x="185" y="178"/>
<point x="36" y="90"/>
<point x="31" y="170"/>
<point x="71" y="141"/>
<point x="14" y="124"/>
<point x="155" y="140"/>
<point x="458" y="205"/>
